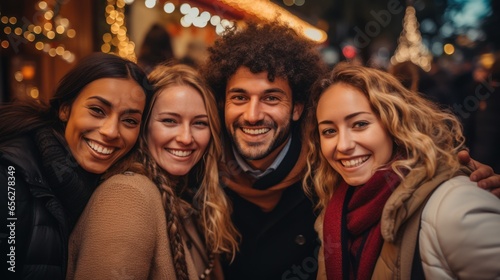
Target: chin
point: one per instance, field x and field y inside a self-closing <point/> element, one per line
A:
<point x="95" y="170"/>
<point x="355" y="182"/>
<point x="177" y="172"/>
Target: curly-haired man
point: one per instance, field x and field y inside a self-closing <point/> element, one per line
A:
<point x="261" y="77"/>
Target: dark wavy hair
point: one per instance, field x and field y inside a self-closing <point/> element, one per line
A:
<point x="273" y="47"/>
<point x="26" y="115"/>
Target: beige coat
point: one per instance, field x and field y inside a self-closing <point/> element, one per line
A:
<point x="122" y="234"/>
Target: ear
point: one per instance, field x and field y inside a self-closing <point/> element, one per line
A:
<point x="297" y="111"/>
<point x="64" y="113"/>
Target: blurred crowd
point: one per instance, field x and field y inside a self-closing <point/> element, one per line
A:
<point x="471" y="93"/>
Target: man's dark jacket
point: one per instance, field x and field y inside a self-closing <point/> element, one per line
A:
<point x="282" y="243"/>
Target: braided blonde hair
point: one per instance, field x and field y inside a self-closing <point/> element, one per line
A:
<point x="208" y="197"/>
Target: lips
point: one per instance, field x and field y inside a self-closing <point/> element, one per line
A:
<point x="98" y="148"/>
<point x="354" y="162"/>
<point x="180" y="153"/>
<point x="257" y="131"/>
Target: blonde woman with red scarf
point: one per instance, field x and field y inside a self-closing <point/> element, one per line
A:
<point x="395" y="202"/>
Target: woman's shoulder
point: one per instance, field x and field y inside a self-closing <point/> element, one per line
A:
<point x="460" y="192"/>
<point x="459" y="231"/>
<point x="129" y="183"/>
<point x="458" y="202"/>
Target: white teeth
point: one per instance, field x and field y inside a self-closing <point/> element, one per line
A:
<point x="255" y="131"/>
<point x="354" y="162"/>
<point x="98" y="148"/>
<point x="180" y="153"/>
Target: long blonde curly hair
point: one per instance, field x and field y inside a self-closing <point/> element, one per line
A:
<point x="425" y="136"/>
<point x="201" y="184"/>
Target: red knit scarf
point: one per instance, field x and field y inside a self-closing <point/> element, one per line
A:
<point x="351" y="229"/>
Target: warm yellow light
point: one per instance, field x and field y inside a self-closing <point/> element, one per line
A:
<point x="71" y="58"/>
<point x="37" y="29"/>
<point x="60" y="29"/>
<point x="5" y="44"/>
<point x="105" y="48"/>
<point x="66" y="55"/>
<point x="18" y="76"/>
<point x="51" y="35"/>
<point x="42" y="5"/>
<point x="71" y="33"/>
<point x="47" y="26"/>
<point x="39" y="46"/>
<point x="34" y="93"/>
<point x="449" y="49"/>
<point x="487" y="60"/>
<point x="120" y="3"/>
<point x="109" y="8"/>
<point x="60" y="50"/>
<point x="106" y="37"/>
<point x="48" y="15"/>
<point x="267" y="10"/>
<point x="28" y="71"/>
<point x="64" y="22"/>
<point x="314" y="34"/>
<point x="13" y="20"/>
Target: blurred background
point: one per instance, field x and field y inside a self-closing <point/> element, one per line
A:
<point x="443" y="48"/>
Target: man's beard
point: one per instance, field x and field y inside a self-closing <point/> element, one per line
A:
<point x="251" y="153"/>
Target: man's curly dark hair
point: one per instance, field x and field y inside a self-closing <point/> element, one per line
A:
<point x="273" y="47"/>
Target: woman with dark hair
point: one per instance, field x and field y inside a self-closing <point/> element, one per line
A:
<point x="52" y="157"/>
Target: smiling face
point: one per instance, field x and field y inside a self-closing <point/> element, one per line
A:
<point x="103" y="123"/>
<point x="353" y="140"/>
<point x="258" y="115"/>
<point x="178" y="131"/>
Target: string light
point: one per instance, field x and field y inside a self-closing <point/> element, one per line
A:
<point x="263" y="9"/>
<point x="410" y="46"/>
<point x="267" y="10"/>
<point x="53" y="29"/>
<point x="117" y="41"/>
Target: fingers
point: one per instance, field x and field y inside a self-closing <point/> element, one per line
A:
<point x="464" y="157"/>
<point x="496" y="192"/>
<point x="481" y="171"/>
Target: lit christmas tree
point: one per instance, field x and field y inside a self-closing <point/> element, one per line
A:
<point x="410" y="47"/>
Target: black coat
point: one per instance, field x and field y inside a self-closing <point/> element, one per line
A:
<point x="39" y="231"/>
<point x="281" y="244"/>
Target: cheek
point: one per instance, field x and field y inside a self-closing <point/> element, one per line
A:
<point x="72" y="131"/>
<point x="151" y="138"/>
<point x="132" y="135"/>
<point x="229" y="114"/>
<point x="203" y="139"/>
<point x="383" y="148"/>
<point x="326" y="147"/>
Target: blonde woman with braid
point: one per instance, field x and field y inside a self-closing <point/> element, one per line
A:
<point x="395" y="202"/>
<point x="172" y="221"/>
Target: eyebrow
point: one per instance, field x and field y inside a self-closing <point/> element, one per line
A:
<point x="269" y="90"/>
<point x="348" y="117"/>
<point x="178" y="115"/>
<point x="109" y="104"/>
